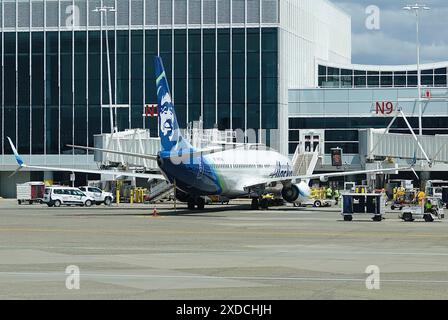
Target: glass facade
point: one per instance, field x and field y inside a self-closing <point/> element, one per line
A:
<point x="330" y="77"/>
<point x="220" y="57"/>
<point x="341" y="113"/>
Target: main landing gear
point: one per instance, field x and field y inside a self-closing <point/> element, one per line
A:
<point x="261" y="203"/>
<point x="254" y="205"/>
<point x="198" y="203"/>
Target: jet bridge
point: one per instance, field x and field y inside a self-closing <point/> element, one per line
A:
<point x="134" y="141"/>
<point x="375" y="143"/>
<point x="140" y="141"/>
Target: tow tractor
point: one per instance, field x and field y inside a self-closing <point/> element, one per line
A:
<point x="411" y="213"/>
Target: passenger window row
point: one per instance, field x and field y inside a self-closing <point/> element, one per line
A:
<point x="68" y="192"/>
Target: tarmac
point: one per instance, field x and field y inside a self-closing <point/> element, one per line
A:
<point x="223" y="252"/>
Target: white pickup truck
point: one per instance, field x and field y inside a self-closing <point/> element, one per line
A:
<point x="98" y="195"/>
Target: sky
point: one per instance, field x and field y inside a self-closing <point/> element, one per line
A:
<point x="393" y="39"/>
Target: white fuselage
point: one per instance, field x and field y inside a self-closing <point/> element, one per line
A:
<point x="238" y="168"/>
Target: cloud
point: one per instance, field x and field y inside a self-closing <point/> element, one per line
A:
<point x="381" y="48"/>
<point x="394" y="43"/>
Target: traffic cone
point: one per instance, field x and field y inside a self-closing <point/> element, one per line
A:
<point x="154" y="212"/>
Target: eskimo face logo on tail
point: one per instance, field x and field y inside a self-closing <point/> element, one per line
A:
<point x="170" y="136"/>
<point x="169" y="130"/>
<point x="167" y="117"/>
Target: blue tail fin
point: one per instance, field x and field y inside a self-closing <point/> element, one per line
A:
<point x="170" y="137"/>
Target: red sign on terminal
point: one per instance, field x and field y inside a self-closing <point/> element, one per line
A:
<point x="385" y="107"/>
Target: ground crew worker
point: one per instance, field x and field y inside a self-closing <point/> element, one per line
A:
<point x="428" y="206"/>
<point x="420" y="196"/>
<point x="336" y="195"/>
<point x="329" y="193"/>
<point x="322" y="193"/>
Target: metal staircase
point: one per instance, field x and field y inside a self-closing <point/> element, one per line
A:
<point x="304" y="163"/>
<point x="159" y="191"/>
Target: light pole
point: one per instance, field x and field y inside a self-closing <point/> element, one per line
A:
<point x="417" y="8"/>
<point x="113" y="125"/>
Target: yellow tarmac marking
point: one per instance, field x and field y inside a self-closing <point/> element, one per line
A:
<point x="242" y="232"/>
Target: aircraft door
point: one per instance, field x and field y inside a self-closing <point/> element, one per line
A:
<point x="311" y="141"/>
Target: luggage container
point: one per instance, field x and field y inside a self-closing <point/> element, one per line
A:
<point x="30" y="192"/>
<point x="363" y="203"/>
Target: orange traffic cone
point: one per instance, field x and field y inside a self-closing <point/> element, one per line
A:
<point x="154" y="212"/>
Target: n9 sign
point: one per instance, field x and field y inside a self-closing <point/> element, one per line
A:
<point x="384" y="107"/>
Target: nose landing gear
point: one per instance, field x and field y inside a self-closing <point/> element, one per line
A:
<point x="255" y="204"/>
<point x="197" y="202"/>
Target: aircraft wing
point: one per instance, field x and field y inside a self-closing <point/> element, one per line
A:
<point x="296" y="179"/>
<point x="116" y="174"/>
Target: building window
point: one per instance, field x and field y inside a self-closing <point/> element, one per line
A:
<point x="351" y="148"/>
<point x="294" y="135"/>
<point x="322" y="70"/>
<point x="373" y="78"/>
<point x="440" y="77"/>
<point x="386" y="79"/>
<point x="292" y="148"/>
<point x="333" y="79"/>
<point x="427" y="77"/>
<point x="269" y="78"/>
<point x="322" y="81"/>
<point x="400" y="79"/>
<point x="346" y="78"/>
<point x="341" y="135"/>
<point x="360" y="79"/>
<point x="412" y="78"/>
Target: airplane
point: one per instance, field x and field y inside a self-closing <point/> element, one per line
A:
<point x="247" y="170"/>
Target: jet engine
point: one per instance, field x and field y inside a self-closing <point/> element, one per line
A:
<point x="290" y="193"/>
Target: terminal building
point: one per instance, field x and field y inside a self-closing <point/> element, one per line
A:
<point x="348" y="99"/>
<point x="281" y="66"/>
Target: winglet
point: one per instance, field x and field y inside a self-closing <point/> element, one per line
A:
<point x="16" y="154"/>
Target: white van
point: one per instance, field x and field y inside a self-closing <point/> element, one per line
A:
<point x="57" y="196"/>
<point x="98" y="195"/>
